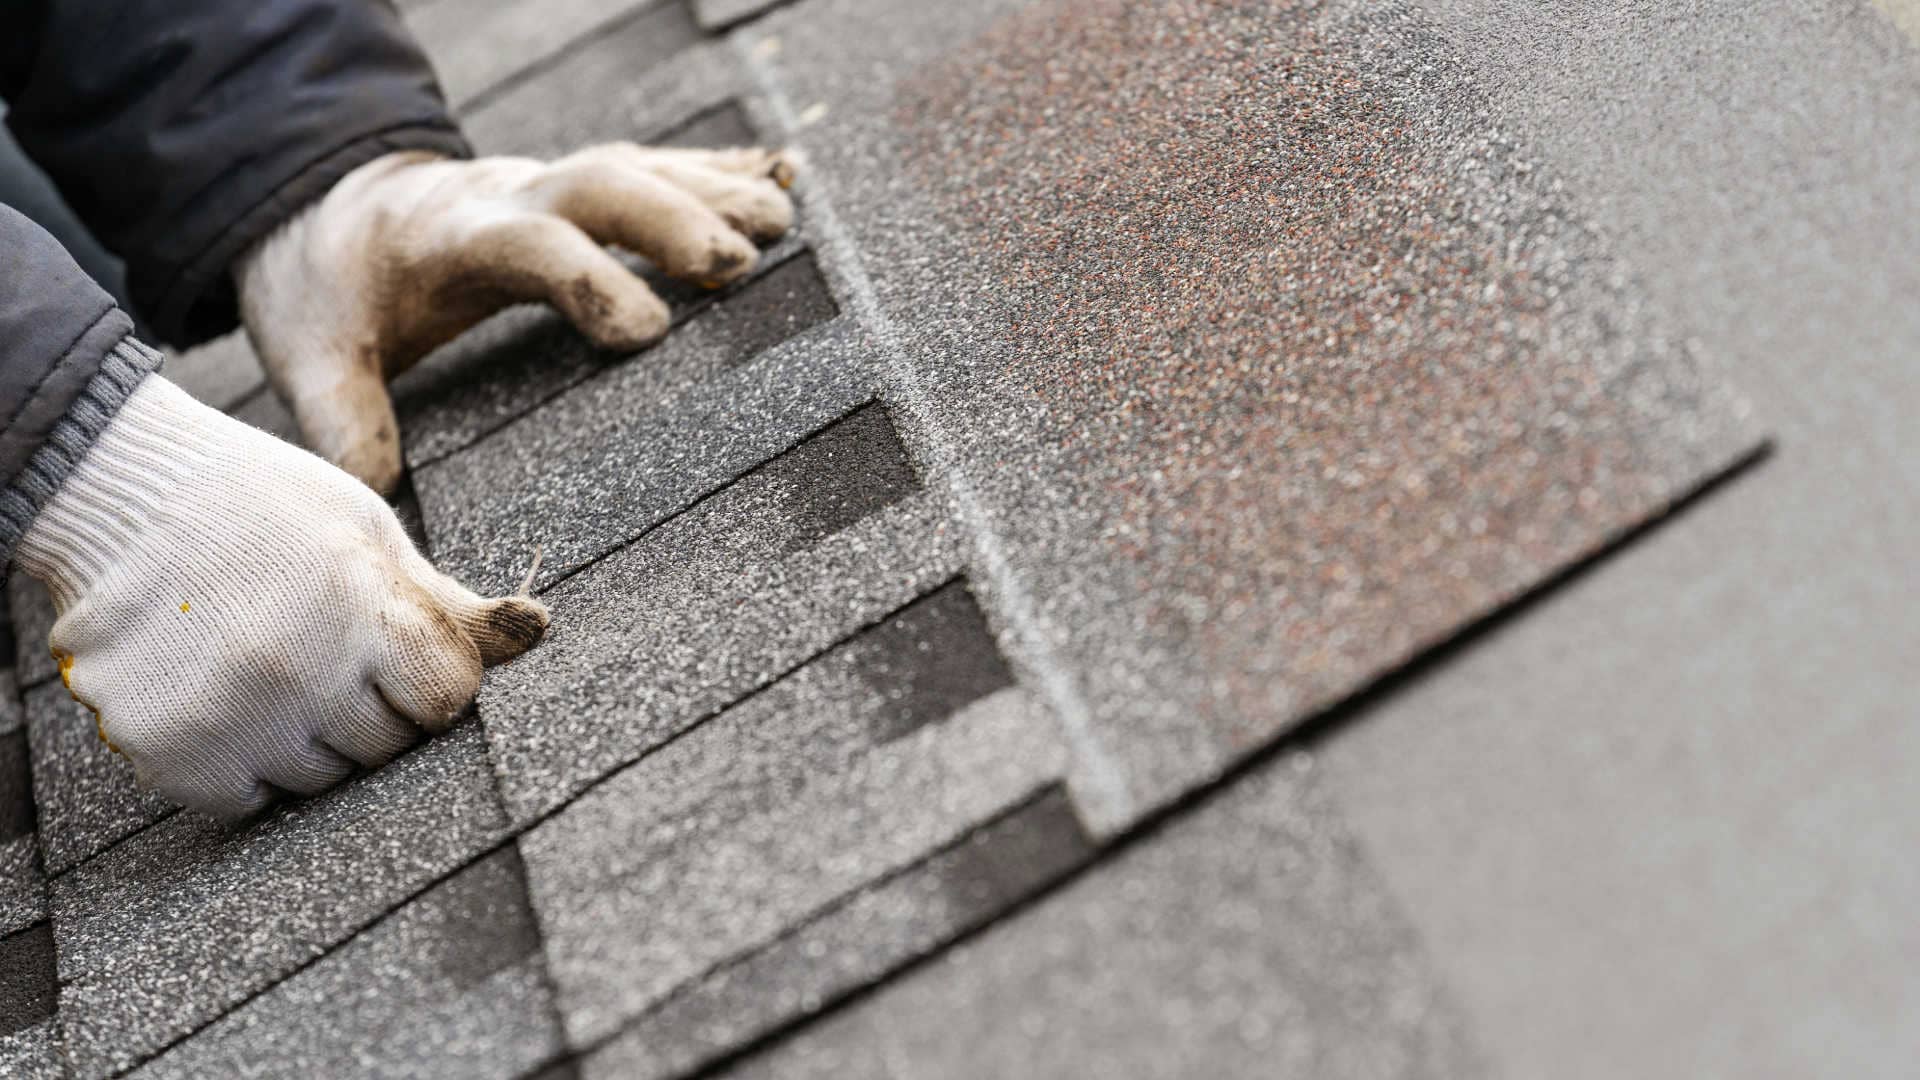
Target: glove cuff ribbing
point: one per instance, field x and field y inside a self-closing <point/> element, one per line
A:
<point x="153" y="444"/>
<point x="121" y="370"/>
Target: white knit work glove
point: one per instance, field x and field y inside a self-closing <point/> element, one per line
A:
<point x="408" y="250"/>
<point x="243" y="617"/>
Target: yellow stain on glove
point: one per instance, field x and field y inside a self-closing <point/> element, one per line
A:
<point x="65" y="661"/>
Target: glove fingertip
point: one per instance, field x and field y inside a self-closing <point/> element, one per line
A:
<point x="506" y="627"/>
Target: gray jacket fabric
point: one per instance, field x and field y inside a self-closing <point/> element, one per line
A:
<point x="181" y="132"/>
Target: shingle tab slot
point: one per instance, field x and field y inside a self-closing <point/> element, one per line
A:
<point x="16" y="787"/>
<point x="865" y="938"/>
<point x="511" y="364"/>
<point x="27" y="985"/>
<point x="451" y="986"/>
<point x="930" y="660"/>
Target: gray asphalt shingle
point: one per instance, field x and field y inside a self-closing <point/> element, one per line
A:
<point x="1247" y="938"/>
<point x="220" y="373"/>
<point x="757" y="820"/>
<point x="641" y="443"/>
<point x="35" y="1053"/>
<point x="897" y="920"/>
<point x="31" y="610"/>
<point x="477" y="46"/>
<point x="451" y="985"/>
<point x="27" y="982"/>
<point x="1259" y="393"/>
<point x="87" y="796"/>
<point x="176" y="926"/>
<point x="1053" y="467"/>
<point x="22" y="892"/>
<point x="600" y="93"/>
<point x="515" y="362"/>
<point x="710" y="605"/>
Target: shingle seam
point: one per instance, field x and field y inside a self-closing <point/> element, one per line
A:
<point x="678" y="318"/>
<point x="520" y="76"/>
<point x="727" y="26"/>
<point x="1302" y="740"/>
<point x="722" y="489"/>
<point x="513" y="832"/>
<point x="51" y="878"/>
<point x="828" y="908"/>
<point x="1101" y="788"/>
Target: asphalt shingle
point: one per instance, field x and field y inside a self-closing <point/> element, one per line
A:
<point x="28" y="988"/>
<point x="34" y="1053"/>
<point x="640" y="444"/>
<point x="451" y="985"/>
<point x="13" y="714"/>
<point x="478" y="45"/>
<point x="715" y="602"/>
<point x="1204" y="418"/>
<point x="173" y="928"/>
<point x="899" y="919"/>
<point x="771" y="812"/>
<point x="22" y="892"/>
<point x="717" y="15"/>
<point x="1261" y="392"/>
<point x="603" y="92"/>
<point x="518" y="360"/>
<point x="220" y="373"/>
<point x="1248" y="938"/>
<point x="87" y="796"/>
<point x="31" y="610"/>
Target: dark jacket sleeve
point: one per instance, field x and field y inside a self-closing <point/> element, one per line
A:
<point x="182" y="131"/>
<point x="67" y="362"/>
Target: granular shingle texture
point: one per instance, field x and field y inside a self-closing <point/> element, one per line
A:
<point x="1245" y="940"/>
<point x="451" y="985"/>
<point x="1332" y="365"/>
<point x="947" y="615"/>
<point x="177" y="925"/>
<point x="87" y="797"/>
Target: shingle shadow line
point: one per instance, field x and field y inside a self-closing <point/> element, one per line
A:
<point x="1308" y="735"/>
<point x="544" y="972"/>
<point x="544" y="968"/>
<point x="755" y="15"/>
<point x="838" y="903"/>
<point x="30" y="927"/>
<point x="723" y="488"/>
<point x="1311" y="732"/>
<point x="103" y="852"/>
<point x="512" y="833"/>
<point x="520" y="76"/>
<point x="246" y="398"/>
<point x="677" y="318"/>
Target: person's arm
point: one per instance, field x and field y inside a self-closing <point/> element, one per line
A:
<point x="184" y="131"/>
<point x="293" y="156"/>
<point x="67" y="363"/>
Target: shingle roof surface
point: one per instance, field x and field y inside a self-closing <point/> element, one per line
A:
<point x="947" y="618"/>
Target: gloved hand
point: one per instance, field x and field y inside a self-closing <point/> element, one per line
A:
<point x="408" y="250"/>
<point x="239" y="614"/>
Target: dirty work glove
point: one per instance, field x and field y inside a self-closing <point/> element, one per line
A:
<point x="410" y="249"/>
<point x="243" y="617"/>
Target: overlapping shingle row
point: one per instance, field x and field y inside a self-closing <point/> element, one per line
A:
<point x="891" y="588"/>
